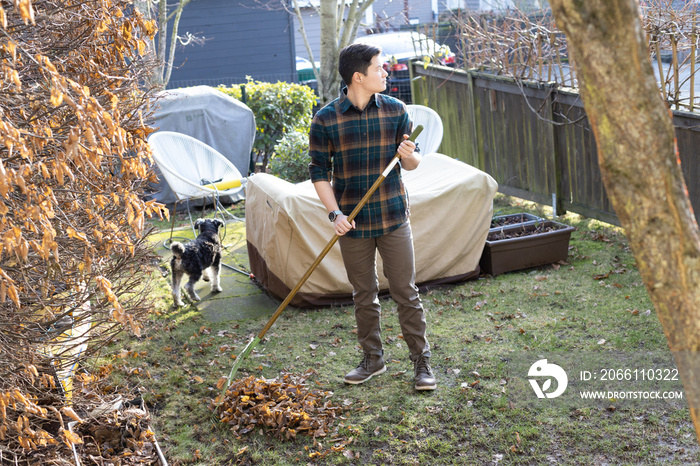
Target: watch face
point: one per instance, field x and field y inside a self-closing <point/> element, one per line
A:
<point x="332" y="216"/>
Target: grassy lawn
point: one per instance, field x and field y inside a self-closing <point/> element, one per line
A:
<point x="593" y="303"/>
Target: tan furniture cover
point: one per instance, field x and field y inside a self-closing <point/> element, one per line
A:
<point x="451" y="205"/>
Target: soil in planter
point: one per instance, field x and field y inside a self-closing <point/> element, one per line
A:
<point x="508" y="220"/>
<point x="525" y="231"/>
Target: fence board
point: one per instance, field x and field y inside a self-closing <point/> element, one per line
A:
<point x="452" y="98"/>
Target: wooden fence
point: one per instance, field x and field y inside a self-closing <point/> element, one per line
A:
<point x="534" y="139"/>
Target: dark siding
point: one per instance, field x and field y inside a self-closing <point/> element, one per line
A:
<point x="243" y="39"/>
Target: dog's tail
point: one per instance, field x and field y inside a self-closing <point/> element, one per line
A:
<point x="177" y="248"/>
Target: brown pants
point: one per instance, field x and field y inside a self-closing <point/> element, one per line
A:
<point x="396" y="249"/>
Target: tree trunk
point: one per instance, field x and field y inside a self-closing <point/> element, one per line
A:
<point x="328" y="80"/>
<point x="157" y="76"/>
<point x="338" y="29"/>
<point x="158" y="49"/>
<point x="640" y="166"/>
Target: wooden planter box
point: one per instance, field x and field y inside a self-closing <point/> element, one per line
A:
<point x="523" y="246"/>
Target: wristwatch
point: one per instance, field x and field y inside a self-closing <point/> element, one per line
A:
<point x="333" y="215"/>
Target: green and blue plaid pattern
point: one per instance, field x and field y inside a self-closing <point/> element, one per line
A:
<point x="351" y="148"/>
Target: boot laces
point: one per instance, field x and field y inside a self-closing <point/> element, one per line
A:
<point x="364" y="364"/>
<point x="423" y="365"/>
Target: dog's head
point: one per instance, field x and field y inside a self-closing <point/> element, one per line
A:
<point x="208" y="224"/>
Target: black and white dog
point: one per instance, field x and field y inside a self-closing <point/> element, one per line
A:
<point x="196" y="259"/>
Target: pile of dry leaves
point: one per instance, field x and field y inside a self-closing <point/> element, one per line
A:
<point x="102" y="429"/>
<point x="119" y="435"/>
<point x="284" y="406"/>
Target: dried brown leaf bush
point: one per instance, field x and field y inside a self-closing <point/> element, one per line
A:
<point x="73" y="162"/>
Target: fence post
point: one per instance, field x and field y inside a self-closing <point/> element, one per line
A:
<point x="655" y="39"/>
<point x="693" y="47"/>
<point x="559" y="196"/>
<point x="676" y="85"/>
<point x="477" y="139"/>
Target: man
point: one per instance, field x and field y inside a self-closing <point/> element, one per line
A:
<point x="351" y="142"/>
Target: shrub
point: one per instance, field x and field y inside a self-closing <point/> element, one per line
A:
<point x="73" y="162"/>
<point x="290" y="160"/>
<point x="279" y="108"/>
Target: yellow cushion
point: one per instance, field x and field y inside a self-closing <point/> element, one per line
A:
<point x="223" y="185"/>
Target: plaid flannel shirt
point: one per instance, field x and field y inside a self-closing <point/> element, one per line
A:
<point x="351" y="148"/>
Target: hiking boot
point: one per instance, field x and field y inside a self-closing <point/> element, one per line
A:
<point x="371" y="364"/>
<point x="424" y="378"/>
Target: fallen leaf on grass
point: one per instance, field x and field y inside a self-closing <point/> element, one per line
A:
<point x="222" y="381"/>
<point x="198" y="379"/>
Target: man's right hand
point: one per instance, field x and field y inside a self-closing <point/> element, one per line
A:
<point x="342" y="225"/>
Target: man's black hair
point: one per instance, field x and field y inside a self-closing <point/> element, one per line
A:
<point x="356" y="57"/>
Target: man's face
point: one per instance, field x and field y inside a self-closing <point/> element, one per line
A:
<point x="375" y="79"/>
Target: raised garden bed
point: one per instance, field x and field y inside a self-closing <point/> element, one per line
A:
<point x="526" y="245"/>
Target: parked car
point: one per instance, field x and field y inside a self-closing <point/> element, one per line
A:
<point x="305" y="70"/>
<point x="305" y="73"/>
<point x="400" y="47"/>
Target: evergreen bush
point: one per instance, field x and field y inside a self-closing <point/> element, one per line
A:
<point x="279" y="108"/>
<point x="290" y="160"/>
